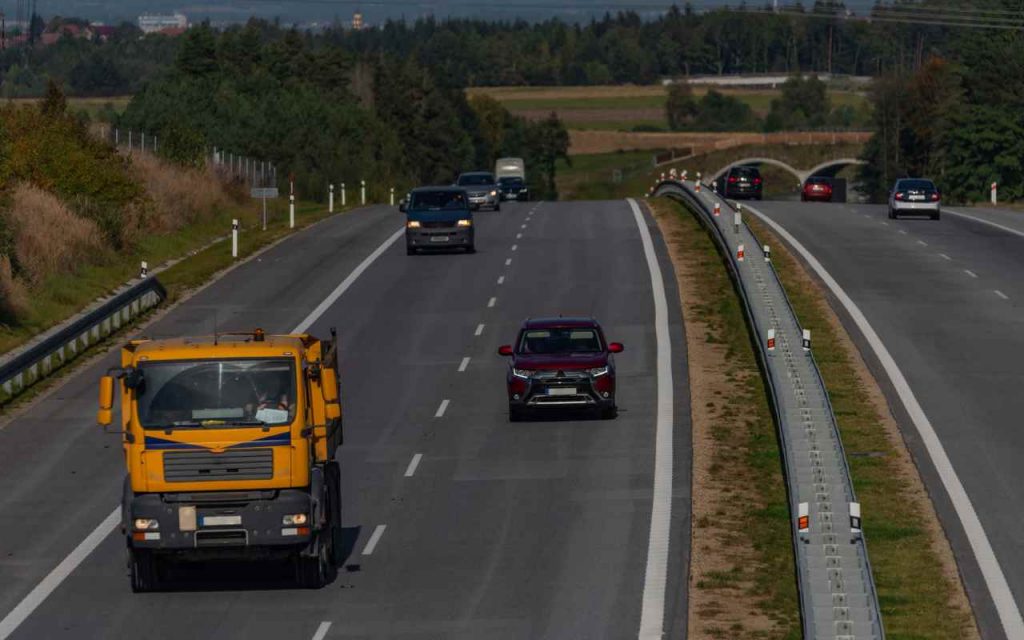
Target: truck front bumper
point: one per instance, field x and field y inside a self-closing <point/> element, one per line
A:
<point x="220" y="523"/>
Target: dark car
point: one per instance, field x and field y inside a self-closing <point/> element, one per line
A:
<point x="438" y="218"/>
<point x="482" y="188"/>
<point x="742" y="182"/>
<point x="561" y="363"/>
<point x="817" y="188"/>
<point x="513" y="188"/>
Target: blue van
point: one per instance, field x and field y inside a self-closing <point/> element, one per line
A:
<point x="438" y="218"/>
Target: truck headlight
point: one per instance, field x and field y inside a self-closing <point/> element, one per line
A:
<point x="599" y="371"/>
<point x="413" y="224"/>
<point x="146" y="524"/>
<point x="294" y="519"/>
<point x="465" y="222"/>
<point x="494" y="193"/>
<point x="525" y="374"/>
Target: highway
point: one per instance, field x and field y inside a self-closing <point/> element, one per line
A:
<point x="946" y="300"/>
<point x="459" y="524"/>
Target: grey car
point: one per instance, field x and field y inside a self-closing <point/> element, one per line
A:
<point x="482" y="188"/>
<point x="915" y="196"/>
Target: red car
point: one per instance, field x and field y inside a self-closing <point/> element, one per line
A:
<point x="817" y="188"/>
<point x="561" y="363"/>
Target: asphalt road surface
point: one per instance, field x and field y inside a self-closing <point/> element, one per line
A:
<point x="459" y="524"/>
<point x="946" y="299"/>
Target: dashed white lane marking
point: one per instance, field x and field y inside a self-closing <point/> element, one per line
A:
<point x="374" y="539"/>
<point x="1001" y="294"/>
<point x="41" y="591"/>
<point x="922" y="243"/>
<point x="508" y="261"/>
<point x="501" y="280"/>
<point x="321" y="631"/>
<point x="441" y="409"/>
<point x="463" y="364"/>
<point x="519" y="236"/>
<point x="995" y="579"/>
<point x="413" y="465"/>
<point x="515" y="246"/>
<point x="944" y="256"/>
<point x="523" y="226"/>
<point x="970" y="273"/>
<point x="652" y="612"/>
<point x="491" y="302"/>
<point x="479" y="329"/>
<point x="885" y="223"/>
<point x="903" y="231"/>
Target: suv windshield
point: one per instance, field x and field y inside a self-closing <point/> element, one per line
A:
<point x="511" y="182"/>
<point x="475" y="179"/>
<point x="438" y="201"/>
<point x="202" y="393"/>
<point x="560" y="340"/>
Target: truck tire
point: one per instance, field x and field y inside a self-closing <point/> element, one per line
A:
<point x="313" y="572"/>
<point x="144" y="568"/>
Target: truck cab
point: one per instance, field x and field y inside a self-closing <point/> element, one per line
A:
<point x="230" y="444"/>
<point x="438" y="218"/>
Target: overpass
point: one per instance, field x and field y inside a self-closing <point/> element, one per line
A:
<point x="828" y="168"/>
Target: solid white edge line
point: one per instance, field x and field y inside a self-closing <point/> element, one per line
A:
<point x="47" y="585"/>
<point x="371" y="544"/>
<point x="652" y="613"/>
<point x="346" y="283"/>
<point x="463" y="364"/>
<point x="321" y="631"/>
<point x="53" y="579"/>
<point x="479" y="329"/>
<point x="991" y="571"/>
<point x="988" y="222"/>
<point x="413" y="465"/>
<point x="441" y="409"/>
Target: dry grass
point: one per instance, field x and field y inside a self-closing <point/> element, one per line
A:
<point x="13" y="295"/>
<point x="181" y="196"/>
<point x="48" y="237"/>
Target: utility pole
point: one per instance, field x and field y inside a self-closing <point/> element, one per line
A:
<point x="830" y="49"/>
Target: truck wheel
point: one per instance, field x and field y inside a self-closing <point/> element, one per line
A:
<point x="145" y="570"/>
<point x="313" y="573"/>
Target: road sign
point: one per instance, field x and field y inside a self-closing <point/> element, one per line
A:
<point x="263" y="192"/>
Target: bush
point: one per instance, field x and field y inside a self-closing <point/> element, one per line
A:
<point x="182" y="145"/>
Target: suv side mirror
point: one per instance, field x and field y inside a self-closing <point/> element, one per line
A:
<point x="505" y="350"/>
<point x="615" y="347"/>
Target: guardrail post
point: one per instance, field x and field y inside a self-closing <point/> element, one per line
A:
<point x="330" y="200"/>
<point x="362" y="192"/>
<point x="234" y="238"/>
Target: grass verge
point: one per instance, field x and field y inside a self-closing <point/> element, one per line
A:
<point x="919" y="588"/>
<point x="741" y="581"/>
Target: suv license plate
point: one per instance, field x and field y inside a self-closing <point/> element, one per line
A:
<point x="439" y="238"/>
<point x="562" y="391"/>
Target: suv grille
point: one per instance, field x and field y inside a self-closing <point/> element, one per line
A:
<point x="204" y="466"/>
<point x="436" y="224"/>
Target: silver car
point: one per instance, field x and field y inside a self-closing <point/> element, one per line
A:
<point x="482" y="188"/>
<point x="915" y="196"/>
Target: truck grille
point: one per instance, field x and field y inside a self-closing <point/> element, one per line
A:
<point x="204" y="466"/>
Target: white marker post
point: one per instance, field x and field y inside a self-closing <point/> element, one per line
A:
<point x="718" y="209"/>
<point x="767" y="253"/>
<point x="330" y="200"/>
<point x="771" y="340"/>
<point x="807" y="340"/>
<point x="739" y="253"/>
<point x="343" y="195"/>
<point x="392" y="196"/>
<point x="234" y="238"/>
<point x="737" y="220"/>
<point x="362" y="192"/>
<point x="144" y="270"/>
<point x="803" y="521"/>
<point x="291" y="203"/>
<point x="855" y="518"/>
<point x="993" y="193"/>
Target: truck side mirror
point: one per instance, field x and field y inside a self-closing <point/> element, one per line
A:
<point x="329" y="384"/>
<point x="105" y="415"/>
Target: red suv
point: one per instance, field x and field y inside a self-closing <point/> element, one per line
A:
<point x="561" y="363"/>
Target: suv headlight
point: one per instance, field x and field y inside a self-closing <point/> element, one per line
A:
<point x="597" y="372"/>
<point x="413" y="224"/>
<point x="494" y="193"/>
<point x="465" y="222"/>
<point x="525" y="374"/>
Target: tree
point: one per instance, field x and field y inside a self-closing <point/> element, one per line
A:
<point x="183" y="145"/>
<point x="54" y="105"/>
<point x="680" y="108"/>
<point x="804" y="103"/>
<point x="198" y="53"/>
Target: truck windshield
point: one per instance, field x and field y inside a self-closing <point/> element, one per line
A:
<point x="475" y="179"/>
<point x="200" y="393"/>
<point x="439" y="201"/>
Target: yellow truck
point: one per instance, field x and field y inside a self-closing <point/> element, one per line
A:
<point x="230" y="445"/>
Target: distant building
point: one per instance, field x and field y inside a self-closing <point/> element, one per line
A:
<point x="152" y="23"/>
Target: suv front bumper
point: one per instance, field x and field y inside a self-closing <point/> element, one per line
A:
<point x="562" y="393"/>
<point x="439" y="238"/>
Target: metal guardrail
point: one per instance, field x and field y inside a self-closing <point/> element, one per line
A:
<point x="838" y="599"/>
<point x="53" y="352"/>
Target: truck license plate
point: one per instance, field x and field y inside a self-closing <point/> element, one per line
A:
<point x="221" y="521"/>
<point x="562" y="391"/>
